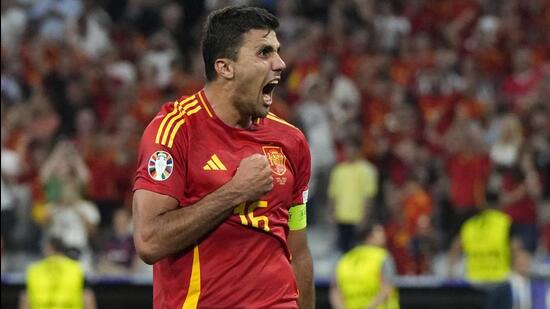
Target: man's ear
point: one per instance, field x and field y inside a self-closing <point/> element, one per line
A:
<point x="225" y="68"/>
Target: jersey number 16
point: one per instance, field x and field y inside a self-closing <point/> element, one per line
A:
<point x="246" y="214"/>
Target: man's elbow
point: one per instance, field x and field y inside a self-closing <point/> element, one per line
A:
<point x="147" y="257"/>
<point x="146" y="250"/>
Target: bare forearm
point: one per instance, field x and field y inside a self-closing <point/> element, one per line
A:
<point x="453" y="257"/>
<point x="336" y="298"/>
<point x="82" y="171"/>
<point x="162" y="227"/>
<point x="180" y="228"/>
<point x="89" y="299"/>
<point x="303" y="270"/>
<point x="23" y="301"/>
<point x="47" y="170"/>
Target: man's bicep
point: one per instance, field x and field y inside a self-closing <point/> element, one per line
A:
<point x="302" y="161"/>
<point x="148" y="204"/>
<point x="161" y="168"/>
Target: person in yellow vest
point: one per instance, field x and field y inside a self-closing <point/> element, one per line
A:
<point x="486" y="241"/>
<point x="364" y="276"/>
<point x="56" y="282"/>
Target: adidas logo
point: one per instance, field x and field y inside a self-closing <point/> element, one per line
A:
<point x="214" y="164"/>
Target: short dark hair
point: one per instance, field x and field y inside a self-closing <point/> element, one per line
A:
<point x="223" y="33"/>
<point x="56" y="243"/>
<point x="366" y="230"/>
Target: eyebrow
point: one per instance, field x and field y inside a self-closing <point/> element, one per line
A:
<point x="269" y="47"/>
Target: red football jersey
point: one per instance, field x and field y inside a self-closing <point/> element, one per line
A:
<point x="187" y="152"/>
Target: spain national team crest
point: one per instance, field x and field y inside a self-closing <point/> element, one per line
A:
<point x="161" y="165"/>
<point x="276" y="159"/>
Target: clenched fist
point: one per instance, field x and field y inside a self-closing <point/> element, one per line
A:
<point x="253" y="177"/>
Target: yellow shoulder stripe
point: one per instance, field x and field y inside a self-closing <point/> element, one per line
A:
<point x="275" y="118"/>
<point x="169" y="115"/>
<point x="182" y="112"/>
<point x="175" y="119"/>
<point x="178" y="125"/>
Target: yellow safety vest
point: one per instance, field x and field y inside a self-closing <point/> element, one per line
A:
<point x="358" y="276"/>
<point x="55" y="282"/>
<point x="486" y="244"/>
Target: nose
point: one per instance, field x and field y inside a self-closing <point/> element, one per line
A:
<point x="278" y="64"/>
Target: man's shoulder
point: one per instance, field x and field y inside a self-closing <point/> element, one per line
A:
<point x="173" y="117"/>
<point x="57" y="259"/>
<point x="185" y="105"/>
<point x="284" y="128"/>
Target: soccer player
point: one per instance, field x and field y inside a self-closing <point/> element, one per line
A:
<point x="221" y="186"/>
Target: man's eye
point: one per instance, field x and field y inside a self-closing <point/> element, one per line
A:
<point x="265" y="52"/>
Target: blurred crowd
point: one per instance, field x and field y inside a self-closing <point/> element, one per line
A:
<point x="445" y="103"/>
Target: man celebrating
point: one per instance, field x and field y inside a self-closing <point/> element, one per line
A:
<point x="222" y="217"/>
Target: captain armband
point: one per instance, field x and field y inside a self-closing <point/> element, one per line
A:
<point x="297" y="217"/>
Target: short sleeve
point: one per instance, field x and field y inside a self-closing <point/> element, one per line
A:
<point x="333" y="183"/>
<point x="303" y="172"/>
<point x="161" y="169"/>
<point x="388" y="270"/>
<point x="371" y="180"/>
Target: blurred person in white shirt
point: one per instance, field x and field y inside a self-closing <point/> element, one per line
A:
<point x="313" y="118"/>
<point x="69" y="216"/>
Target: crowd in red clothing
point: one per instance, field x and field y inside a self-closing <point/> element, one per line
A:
<point x="449" y="98"/>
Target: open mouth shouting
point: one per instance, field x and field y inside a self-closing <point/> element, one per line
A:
<point x="267" y="91"/>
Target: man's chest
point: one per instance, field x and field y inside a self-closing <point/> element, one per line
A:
<point x="213" y="161"/>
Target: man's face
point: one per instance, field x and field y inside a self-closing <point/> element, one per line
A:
<point x="379" y="236"/>
<point x="257" y="72"/>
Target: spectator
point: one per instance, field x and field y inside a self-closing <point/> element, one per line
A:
<point x="417" y="208"/>
<point x="53" y="16"/>
<point x="63" y="167"/>
<point x="468" y="171"/>
<point x="519" y="87"/>
<point x="390" y="27"/>
<point x="159" y="59"/>
<point x="11" y="166"/>
<point x="505" y="151"/>
<point x="73" y="220"/>
<point x="118" y="252"/>
<point x="424" y="247"/>
<point x="343" y="98"/>
<point x="14" y="24"/>
<point x="313" y="118"/>
<point x="89" y="32"/>
<point x="69" y="216"/>
<point x="353" y="183"/>
<point x="521" y="289"/>
<point x="518" y="193"/>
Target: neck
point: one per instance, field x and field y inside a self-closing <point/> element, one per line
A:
<point x="221" y="97"/>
